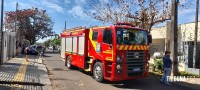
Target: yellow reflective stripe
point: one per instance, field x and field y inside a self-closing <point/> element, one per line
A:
<point x="130" y="48"/>
<point x="90" y="37"/>
<point x="126" y="47"/>
<point x="145" y="48"/>
<point x="108" y="58"/>
<point x="121" y="47"/>
<point x="134" y="48"/>
<point x="138" y="47"/>
<point x="141" y="47"/>
<point x="107" y="52"/>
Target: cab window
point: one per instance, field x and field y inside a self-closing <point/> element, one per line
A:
<point x="95" y="35"/>
<point x="107" y="36"/>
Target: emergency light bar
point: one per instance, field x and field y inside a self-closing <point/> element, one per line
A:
<point x="80" y="27"/>
<point x="127" y="24"/>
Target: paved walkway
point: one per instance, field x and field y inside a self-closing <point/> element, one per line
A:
<point x="21" y="75"/>
<point x="190" y="82"/>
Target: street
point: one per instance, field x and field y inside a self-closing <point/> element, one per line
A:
<point x="116" y="40"/>
<point x="64" y="79"/>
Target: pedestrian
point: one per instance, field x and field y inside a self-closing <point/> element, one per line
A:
<point x="23" y="48"/>
<point x="53" y="48"/>
<point x="167" y="68"/>
<point x="20" y="49"/>
<point x="27" y="51"/>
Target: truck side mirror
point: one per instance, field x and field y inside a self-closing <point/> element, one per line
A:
<point x="149" y="38"/>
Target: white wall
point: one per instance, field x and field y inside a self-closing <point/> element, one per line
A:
<point x="5" y="45"/>
<point x="62" y="48"/>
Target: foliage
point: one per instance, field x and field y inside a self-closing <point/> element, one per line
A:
<point x="188" y="74"/>
<point x="142" y="13"/>
<point x="32" y="24"/>
<point x="47" y="43"/>
<point x="158" y="64"/>
<point x="55" y="41"/>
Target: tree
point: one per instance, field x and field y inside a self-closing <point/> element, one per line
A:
<point x="32" y="24"/>
<point x="55" y="41"/>
<point x="141" y="13"/>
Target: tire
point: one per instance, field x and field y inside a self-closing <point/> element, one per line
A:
<point x="98" y="72"/>
<point x="68" y="62"/>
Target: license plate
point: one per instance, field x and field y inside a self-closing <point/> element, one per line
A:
<point x="136" y="69"/>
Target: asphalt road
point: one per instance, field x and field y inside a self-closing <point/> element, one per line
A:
<point x="64" y="79"/>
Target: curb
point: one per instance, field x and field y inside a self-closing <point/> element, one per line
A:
<point x="44" y="78"/>
<point x="188" y="86"/>
<point x="192" y="83"/>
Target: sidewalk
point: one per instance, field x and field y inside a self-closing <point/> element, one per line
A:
<point x="190" y="82"/>
<point x="193" y="83"/>
<point x="21" y="75"/>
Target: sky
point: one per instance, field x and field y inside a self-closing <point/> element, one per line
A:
<point x="72" y="11"/>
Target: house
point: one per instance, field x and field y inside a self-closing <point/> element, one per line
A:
<point x="185" y="46"/>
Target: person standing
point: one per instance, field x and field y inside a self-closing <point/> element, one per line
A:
<point x="20" y="48"/>
<point x="27" y="51"/>
<point x="167" y="68"/>
<point x="53" y="48"/>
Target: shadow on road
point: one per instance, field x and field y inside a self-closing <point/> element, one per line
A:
<point x="129" y="84"/>
<point x="47" y="56"/>
<point x="50" y="52"/>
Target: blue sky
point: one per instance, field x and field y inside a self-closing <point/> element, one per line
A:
<point x="72" y="11"/>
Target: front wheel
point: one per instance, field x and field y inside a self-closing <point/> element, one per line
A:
<point x="98" y="72"/>
<point x="68" y="62"/>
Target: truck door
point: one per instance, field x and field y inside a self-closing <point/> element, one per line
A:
<point x="107" y="44"/>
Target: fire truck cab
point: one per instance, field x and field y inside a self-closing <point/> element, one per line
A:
<point x="117" y="52"/>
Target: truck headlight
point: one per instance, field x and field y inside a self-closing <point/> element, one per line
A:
<point x="119" y="68"/>
<point x="119" y="59"/>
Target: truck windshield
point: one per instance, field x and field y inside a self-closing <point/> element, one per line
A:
<point x="130" y="36"/>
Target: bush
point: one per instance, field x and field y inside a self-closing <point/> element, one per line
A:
<point x="183" y="73"/>
<point x="158" y="63"/>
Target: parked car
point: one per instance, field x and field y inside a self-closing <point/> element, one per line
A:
<point x="33" y="50"/>
<point x="50" y="47"/>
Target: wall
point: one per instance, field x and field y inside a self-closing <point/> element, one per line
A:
<point x="185" y="39"/>
<point x="157" y="45"/>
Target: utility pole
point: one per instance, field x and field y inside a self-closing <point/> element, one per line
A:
<point x="17" y="35"/>
<point x="16" y="17"/>
<point x="196" y="31"/>
<point x="65" y="25"/>
<point x="174" y="41"/>
<point x="1" y="36"/>
<point x="195" y="37"/>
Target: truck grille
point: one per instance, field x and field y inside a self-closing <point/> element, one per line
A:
<point x="135" y="63"/>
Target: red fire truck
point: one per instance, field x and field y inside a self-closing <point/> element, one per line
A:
<point x="114" y="53"/>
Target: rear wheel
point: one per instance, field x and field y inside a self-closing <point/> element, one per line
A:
<point x="98" y="72"/>
<point x="68" y="62"/>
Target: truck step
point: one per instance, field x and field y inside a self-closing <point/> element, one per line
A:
<point x="107" y="78"/>
<point x="109" y="65"/>
<point x="87" y="70"/>
<point x="90" y="62"/>
<point x="109" y="72"/>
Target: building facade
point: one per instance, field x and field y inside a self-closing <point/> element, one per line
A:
<point x="185" y="46"/>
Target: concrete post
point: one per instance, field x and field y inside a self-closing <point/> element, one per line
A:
<point x="174" y="35"/>
<point x="168" y="33"/>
